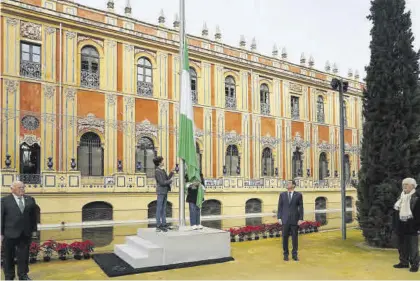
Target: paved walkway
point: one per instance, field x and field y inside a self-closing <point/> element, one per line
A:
<point x="322" y="256"/>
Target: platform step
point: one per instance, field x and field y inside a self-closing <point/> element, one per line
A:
<point x="133" y="256"/>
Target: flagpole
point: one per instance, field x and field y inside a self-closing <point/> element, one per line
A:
<point x="181" y="65"/>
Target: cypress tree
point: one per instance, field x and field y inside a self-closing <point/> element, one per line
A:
<point x="391" y="108"/>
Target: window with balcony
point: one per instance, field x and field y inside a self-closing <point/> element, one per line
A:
<point x="323" y="166"/>
<point x="145" y="152"/>
<point x="89" y="76"/>
<point x="30" y="163"/>
<point x="90" y="155"/>
<point x="30" y="60"/>
<point x="267" y="163"/>
<point x="232" y="161"/>
<point x="144" y="77"/>
<point x="230" y="93"/>
<point x="265" y="99"/>
<point x="193" y="77"/>
<point x="297" y="163"/>
<point x="347" y="168"/>
<point x="295" y="108"/>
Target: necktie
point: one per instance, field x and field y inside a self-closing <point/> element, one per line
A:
<point x="290" y="197"/>
<point x="21" y="207"/>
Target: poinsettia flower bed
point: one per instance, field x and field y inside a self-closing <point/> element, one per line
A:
<point x="51" y="248"/>
<point x="255" y="232"/>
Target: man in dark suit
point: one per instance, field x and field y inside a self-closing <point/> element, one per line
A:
<point x="18" y="224"/>
<point x="290" y="215"/>
<point x="163" y="186"/>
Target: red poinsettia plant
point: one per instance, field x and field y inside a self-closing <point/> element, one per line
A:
<point x="62" y="249"/>
<point x="87" y="246"/>
<point x="34" y="249"/>
<point x="76" y="248"/>
<point x="48" y="247"/>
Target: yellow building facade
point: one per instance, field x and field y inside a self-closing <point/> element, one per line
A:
<point x="89" y="97"/>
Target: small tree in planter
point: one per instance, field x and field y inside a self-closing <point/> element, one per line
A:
<point x="77" y="249"/>
<point x="62" y="250"/>
<point x="33" y="252"/>
<point x="88" y="248"/>
<point x="48" y="248"/>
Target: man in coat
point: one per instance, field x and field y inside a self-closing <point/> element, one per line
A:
<point x="290" y="215"/>
<point x="163" y="186"/>
<point x="18" y="225"/>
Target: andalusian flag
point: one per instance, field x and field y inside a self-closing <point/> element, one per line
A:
<point x="186" y="149"/>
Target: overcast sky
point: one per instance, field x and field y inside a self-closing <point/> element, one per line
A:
<point x="334" y="30"/>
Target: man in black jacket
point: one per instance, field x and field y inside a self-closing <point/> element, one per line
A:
<point x="18" y="224"/>
<point x="290" y="215"/>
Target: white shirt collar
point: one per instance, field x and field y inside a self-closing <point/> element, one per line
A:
<point x="16" y="197"/>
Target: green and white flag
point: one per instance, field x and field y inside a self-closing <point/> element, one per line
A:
<point x="186" y="148"/>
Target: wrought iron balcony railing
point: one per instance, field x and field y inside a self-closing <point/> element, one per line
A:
<point x="144" y="89"/>
<point x="230" y="102"/>
<point x="30" y="178"/>
<point x="30" y="69"/>
<point x="194" y="96"/>
<point x="89" y="79"/>
<point x="265" y="109"/>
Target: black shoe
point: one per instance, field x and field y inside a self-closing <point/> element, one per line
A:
<point x="164" y="229"/>
<point x="414" y="269"/>
<point x="9" y="278"/>
<point x="158" y="229"/>
<point x="295" y="258"/>
<point x="401" y="265"/>
<point x="286" y="258"/>
<point x="24" y="277"/>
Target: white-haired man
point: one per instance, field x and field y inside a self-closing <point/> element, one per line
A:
<point x="407" y="222"/>
<point x="18" y="225"/>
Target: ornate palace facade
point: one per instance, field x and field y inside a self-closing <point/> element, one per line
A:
<point x="88" y="97"/>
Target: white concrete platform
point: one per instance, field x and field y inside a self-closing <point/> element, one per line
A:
<point x="150" y="248"/>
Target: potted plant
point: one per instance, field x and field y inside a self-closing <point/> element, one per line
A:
<point x="271" y="230"/>
<point x="277" y="227"/>
<point x="316" y="225"/>
<point x="258" y="230"/>
<point x="233" y="232"/>
<point x="241" y="234"/>
<point x="248" y="230"/>
<point x="33" y="252"/>
<point x="264" y="231"/>
<point x="77" y="249"/>
<point x="87" y="249"/>
<point x="62" y="250"/>
<point x="47" y="249"/>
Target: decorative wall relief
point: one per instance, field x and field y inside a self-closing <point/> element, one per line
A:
<point x="146" y="128"/>
<point x="91" y="122"/>
<point x="83" y="38"/>
<point x="232" y="138"/>
<point x="30" y="30"/>
<point x="299" y="142"/>
<point x="30" y="122"/>
<point x="295" y="87"/>
<point x="30" y="140"/>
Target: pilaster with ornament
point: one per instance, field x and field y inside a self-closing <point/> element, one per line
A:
<point x="288" y="146"/>
<point x="162" y="69"/>
<point x="279" y="147"/>
<point x="129" y="82"/>
<point x="11" y="46"/>
<point x="206" y="81"/>
<point x="49" y="52"/>
<point x="333" y="157"/>
<point x="70" y="62"/>
<point x="256" y="146"/>
<point x="70" y="126"/>
<point x="129" y="137"/>
<point x="208" y="139"/>
<point x="244" y="88"/>
<point x="286" y="98"/>
<point x="111" y="134"/>
<point x="10" y="122"/>
<point x="164" y="134"/>
<point x="307" y="161"/>
<point x="255" y="94"/>
<point x="275" y="98"/>
<point x="219" y="86"/>
<point x="49" y="125"/>
<point x="246" y="155"/>
<point x="175" y="78"/>
<point x="220" y="128"/>
<point x="175" y="125"/>
<point x="315" y="152"/>
<point x="110" y="61"/>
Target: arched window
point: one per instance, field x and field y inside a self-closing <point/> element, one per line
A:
<point x="144" y="77"/>
<point x="253" y="206"/>
<point x="323" y="166"/>
<point x="267" y="164"/>
<point x="193" y="77"/>
<point x="349" y="213"/>
<point x="199" y="156"/>
<point x="295" y="108"/>
<point x="145" y="152"/>
<point x="98" y="211"/>
<point x="320" y="115"/>
<point x="265" y="99"/>
<point x="89" y="76"/>
<point x="321" y="210"/>
<point x="90" y="155"/>
<point x="30" y="163"/>
<point x="230" y="92"/>
<point x="345" y="113"/>
<point x="151" y="212"/>
<point x="212" y="208"/>
<point x="232" y="160"/>
<point x="297" y="163"/>
<point x="347" y="168"/>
